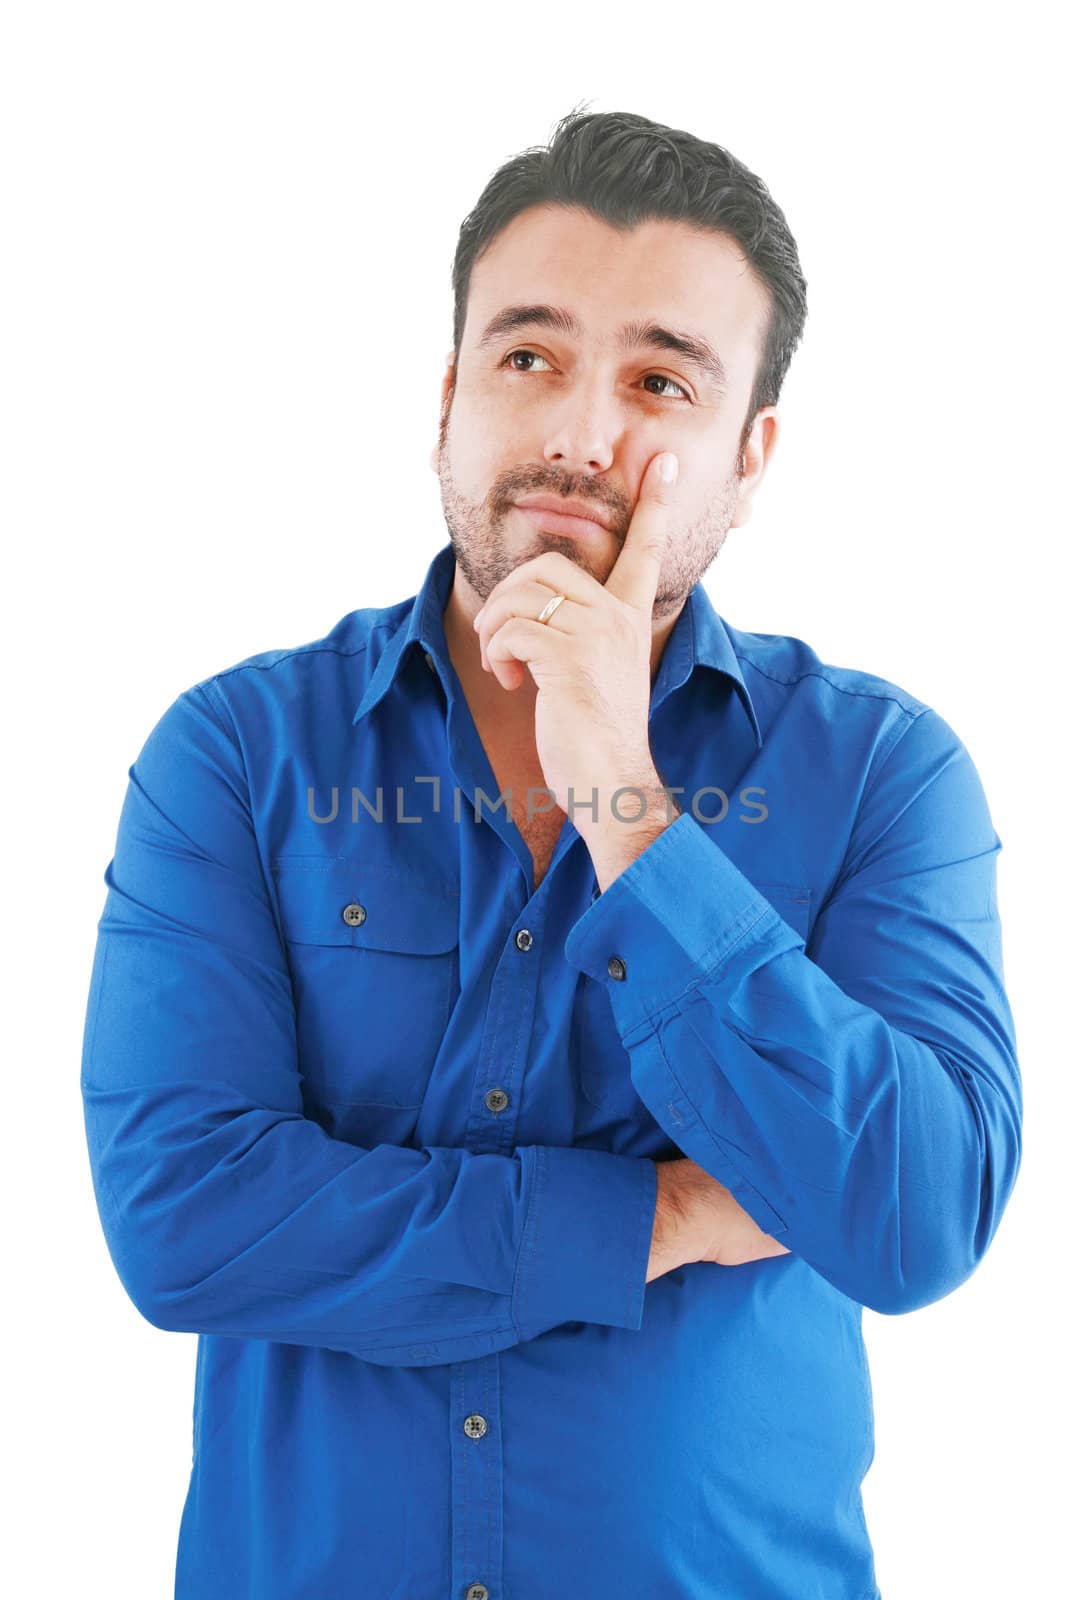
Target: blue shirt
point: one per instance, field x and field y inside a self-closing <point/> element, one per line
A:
<point x="377" y="1119"/>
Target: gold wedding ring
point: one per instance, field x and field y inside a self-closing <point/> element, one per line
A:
<point x="546" y="611"/>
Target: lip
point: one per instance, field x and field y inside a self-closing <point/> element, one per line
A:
<point x="554" y="515"/>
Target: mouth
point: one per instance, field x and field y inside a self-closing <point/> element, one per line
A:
<point x="564" y="523"/>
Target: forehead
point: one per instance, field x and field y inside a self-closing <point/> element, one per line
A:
<point x="665" y="270"/>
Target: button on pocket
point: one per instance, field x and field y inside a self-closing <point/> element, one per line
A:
<point x="603" y="1060"/>
<point x="374" y="956"/>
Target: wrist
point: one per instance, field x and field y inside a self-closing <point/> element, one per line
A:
<point x="668" y="1247"/>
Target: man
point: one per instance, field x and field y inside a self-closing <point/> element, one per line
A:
<point x="531" y="1022"/>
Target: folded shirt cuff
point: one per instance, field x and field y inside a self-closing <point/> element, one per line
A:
<point x="674" y="917"/>
<point x="584" y="1253"/>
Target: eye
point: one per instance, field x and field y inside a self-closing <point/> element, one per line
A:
<point x="532" y="353"/>
<point x="661" y="377"/>
<point x="658" y="377"/>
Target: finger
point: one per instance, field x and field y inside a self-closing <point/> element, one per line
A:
<point x="522" y="600"/>
<point x="520" y="643"/>
<point x="635" y="575"/>
<point x="556" y="570"/>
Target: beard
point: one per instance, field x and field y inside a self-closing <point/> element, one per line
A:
<point x="486" y="554"/>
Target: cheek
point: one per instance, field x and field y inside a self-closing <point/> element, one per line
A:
<point x="486" y="422"/>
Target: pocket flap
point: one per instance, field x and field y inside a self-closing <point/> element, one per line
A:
<point x="365" y="904"/>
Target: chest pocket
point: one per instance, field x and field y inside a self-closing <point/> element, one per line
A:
<point x="374" y="958"/>
<point x="603" y="1061"/>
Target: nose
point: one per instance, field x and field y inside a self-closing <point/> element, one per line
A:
<point x="582" y="433"/>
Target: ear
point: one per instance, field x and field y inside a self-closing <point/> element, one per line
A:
<point x="447" y="386"/>
<point x="762" y="439"/>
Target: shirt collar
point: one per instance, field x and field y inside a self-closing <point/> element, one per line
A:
<point x="699" y="637"/>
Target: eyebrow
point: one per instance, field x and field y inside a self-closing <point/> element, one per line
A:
<point x="691" y="347"/>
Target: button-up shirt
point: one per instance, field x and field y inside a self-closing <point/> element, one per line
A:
<point x="376" y="1117"/>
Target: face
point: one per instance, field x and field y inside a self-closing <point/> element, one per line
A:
<point x="533" y="408"/>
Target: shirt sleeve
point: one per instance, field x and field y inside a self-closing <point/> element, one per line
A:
<point x="225" y="1209"/>
<point x="861" y="1100"/>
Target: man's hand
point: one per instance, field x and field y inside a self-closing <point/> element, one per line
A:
<point x="591" y="662"/>
<point x="697" y="1219"/>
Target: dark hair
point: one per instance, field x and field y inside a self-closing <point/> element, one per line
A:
<point x="624" y="168"/>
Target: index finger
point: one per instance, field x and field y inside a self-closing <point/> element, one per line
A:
<point x="635" y="575"/>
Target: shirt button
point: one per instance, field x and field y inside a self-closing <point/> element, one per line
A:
<point x="475" y="1426"/>
<point x="429" y="661"/>
<point x="354" y="914"/>
<point x="476" y="1591"/>
<point x="524" y="938"/>
<point x="617" y="967"/>
<point x="496" y="1100"/>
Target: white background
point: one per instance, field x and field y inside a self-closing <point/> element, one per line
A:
<point x="229" y="232"/>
